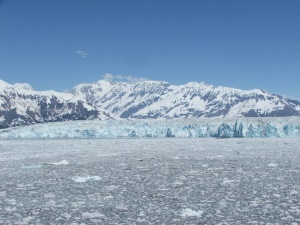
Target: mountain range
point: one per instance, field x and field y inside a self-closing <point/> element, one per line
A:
<point x="21" y="105"/>
<point x="106" y="99"/>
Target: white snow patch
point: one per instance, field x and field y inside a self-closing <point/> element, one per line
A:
<point x="24" y="86"/>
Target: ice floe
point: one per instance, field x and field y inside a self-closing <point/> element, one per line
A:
<point x="81" y="179"/>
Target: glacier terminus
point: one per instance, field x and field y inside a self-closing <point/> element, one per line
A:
<point x="243" y="127"/>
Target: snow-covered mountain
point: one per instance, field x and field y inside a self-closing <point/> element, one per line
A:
<point x="21" y="105"/>
<point x="156" y="99"/>
<point x="105" y="99"/>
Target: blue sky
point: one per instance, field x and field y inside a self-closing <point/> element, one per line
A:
<point x="57" y="44"/>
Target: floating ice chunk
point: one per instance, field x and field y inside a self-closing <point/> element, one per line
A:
<point x="112" y="187"/>
<point x="142" y="214"/>
<point x="11" y="209"/>
<point x="2" y="193"/>
<point x="51" y="203"/>
<point x="176" y="184"/>
<point x="86" y="178"/>
<point x="272" y="165"/>
<point x="223" y="203"/>
<point x="49" y="195"/>
<point x="93" y="215"/>
<point x="66" y="215"/>
<point x="108" y="197"/>
<point x="32" y="167"/>
<point x="28" y="218"/>
<point x="107" y="155"/>
<point x="291" y="193"/>
<point x="122" y="207"/>
<point x="227" y="182"/>
<point x="63" y="162"/>
<point x="189" y="212"/>
<point x="11" y="201"/>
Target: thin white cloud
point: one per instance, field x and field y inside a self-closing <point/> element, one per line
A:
<point x="291" y="97"/>
<point x="110" y="76"/>
<point x="81" y="53"/>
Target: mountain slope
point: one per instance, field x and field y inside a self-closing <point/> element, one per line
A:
<point x="156" y="99"/>
<point x="21" y="105"/>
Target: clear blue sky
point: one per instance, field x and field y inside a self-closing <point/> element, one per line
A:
<point x="57" y="44"/>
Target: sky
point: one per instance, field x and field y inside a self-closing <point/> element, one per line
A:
<point x="57" y="44"/>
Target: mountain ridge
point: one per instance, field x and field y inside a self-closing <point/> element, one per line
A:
<point x="21" y="105"/>
<point x="106" y="99"/>
<point x="159" y="99"/>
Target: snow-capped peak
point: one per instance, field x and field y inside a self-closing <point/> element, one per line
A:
<point x="24" y="86"/>
<point x="4" y="85"/>
<point x="20" y="104"/>
<point x="157" y="99"/>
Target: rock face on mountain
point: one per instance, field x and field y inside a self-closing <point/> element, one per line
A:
<point x="21" y="105"/>
<point x="160" y="100"/>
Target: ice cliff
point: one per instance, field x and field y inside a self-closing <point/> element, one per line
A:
<point x="212" y="127"/>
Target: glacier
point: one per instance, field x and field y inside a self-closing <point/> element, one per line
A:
<point x="240" y="127"/>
